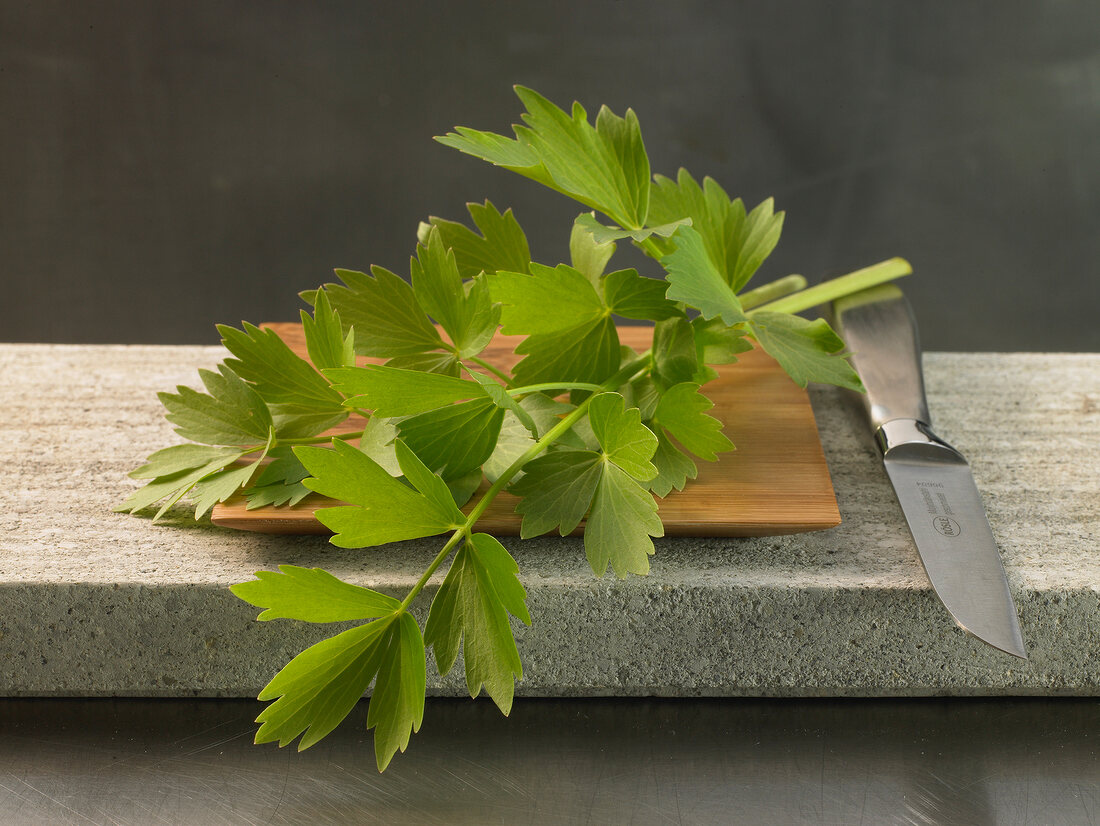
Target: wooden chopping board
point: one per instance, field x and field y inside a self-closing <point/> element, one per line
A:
<point x="775" y="482"/>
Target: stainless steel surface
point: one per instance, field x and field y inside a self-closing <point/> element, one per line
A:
<point x="1024" y="762"/>
<point x="945" y="515"/>
<point x="932" y="480"/>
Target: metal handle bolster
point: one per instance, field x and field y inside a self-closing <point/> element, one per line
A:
<point x="913" y="441"/>
<point x="897" y="432"/>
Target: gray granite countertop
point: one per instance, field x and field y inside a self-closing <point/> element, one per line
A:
<point x="98" y="603"/>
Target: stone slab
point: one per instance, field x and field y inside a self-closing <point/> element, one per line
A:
<point x="94" y="603"/>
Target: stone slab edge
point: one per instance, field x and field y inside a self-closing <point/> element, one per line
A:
<point x="619" y="639"/>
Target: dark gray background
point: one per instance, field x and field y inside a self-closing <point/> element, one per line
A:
<point x="165" y="166"/>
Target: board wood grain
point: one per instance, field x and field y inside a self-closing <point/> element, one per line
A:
<point x="775" y="482"/>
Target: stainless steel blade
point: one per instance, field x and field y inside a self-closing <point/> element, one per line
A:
<point x="941" y="503"/>
<point x="932" y="480"/>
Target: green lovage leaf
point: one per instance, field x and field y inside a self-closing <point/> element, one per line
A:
<point x="514" y="155"/>
<point x="174" y="471"/>
<point x="219" y="486"/>
<point x="444" y="363"/>
<point x="513" y="441"/>
<point x="207" y="473"/>
<point x="694" y="279"/>
<point x="279" y="375"/>
<point x="379" y="442"/>
<point x="570" y="333"/>
<point x="505" y="401"/>
<point x="482" y="318"/>
<point x="384" y="313"/>
<point x="586" y="353"/>
<point x="172" y="460"/>
<point x="231" y="412"/>
<point x="622" y="520"/>
<point x="392" y="391"/>
<point x="624" y="439"/>
<point x="806" y="350"/>
<point x="736" y="243"/>
<point x="454" y="440"/>
<point x="587" y="255"/>
<point x="675" y="353"/>
<point x="470" y="611"/>
<point x="326" y="342"/>
<point x="437" y="284"/>
<point x="549" y="300"/>
<point x="468" y="316"/>
<point x="604" y="167"/>
<point x="546" y="412"/>
<point x="380" y="508"/>
<point x="311" y="595"/>
<point x="631" y="295"/>
<point x="604" y="234"/>
<point x="430" y="486"/>
<point x="316" y="690"/>
<point x="397" y="705"/>
<point x="295" y="422"/>
<point x="623" y="515"/>
<point x="707" y="207"/>
<point x="275" y="494"/>
<point x="642" y="393"/>
<point x="558" y="488"/>
<point x="755" y="236"/>
<point x="502" y="244"/>
<point x="462" y="488"/>
<point x="279" y="482"/>
<point x="673" y="467"/>
<point x="682" y="413"/>
<point x="718" y="344"/>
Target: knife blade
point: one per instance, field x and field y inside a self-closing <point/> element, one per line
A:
<point x="932" y="480"/>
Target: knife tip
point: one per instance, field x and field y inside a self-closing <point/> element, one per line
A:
<point x="1021" y="653"/>
<point x="1013" y="646"/>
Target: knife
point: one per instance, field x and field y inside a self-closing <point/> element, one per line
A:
<point x="932" y="480"/>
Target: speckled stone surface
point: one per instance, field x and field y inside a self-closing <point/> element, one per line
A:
<point x="98" y="603"/>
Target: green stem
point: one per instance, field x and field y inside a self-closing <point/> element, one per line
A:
<point x="306" y="440"/>
<point x="540" y="445"/>
<point x="431" y="569"/>
<point x="772" y="291"/>
<point x="552" y="435"/>
<point x="650" y="246"/>
<point x="835" y="288"/>
<point x="316" y="440"/>
<point x="556" y="432"/>
<point x="553" y="385"/>
<point x="500" y="374"/>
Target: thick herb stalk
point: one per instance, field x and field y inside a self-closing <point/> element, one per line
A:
<point x="581" y="429"/>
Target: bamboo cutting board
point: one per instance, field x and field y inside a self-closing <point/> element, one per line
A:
<point x="775" y="482"/>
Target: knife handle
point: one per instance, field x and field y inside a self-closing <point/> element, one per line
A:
<point x="879" y="329"/>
